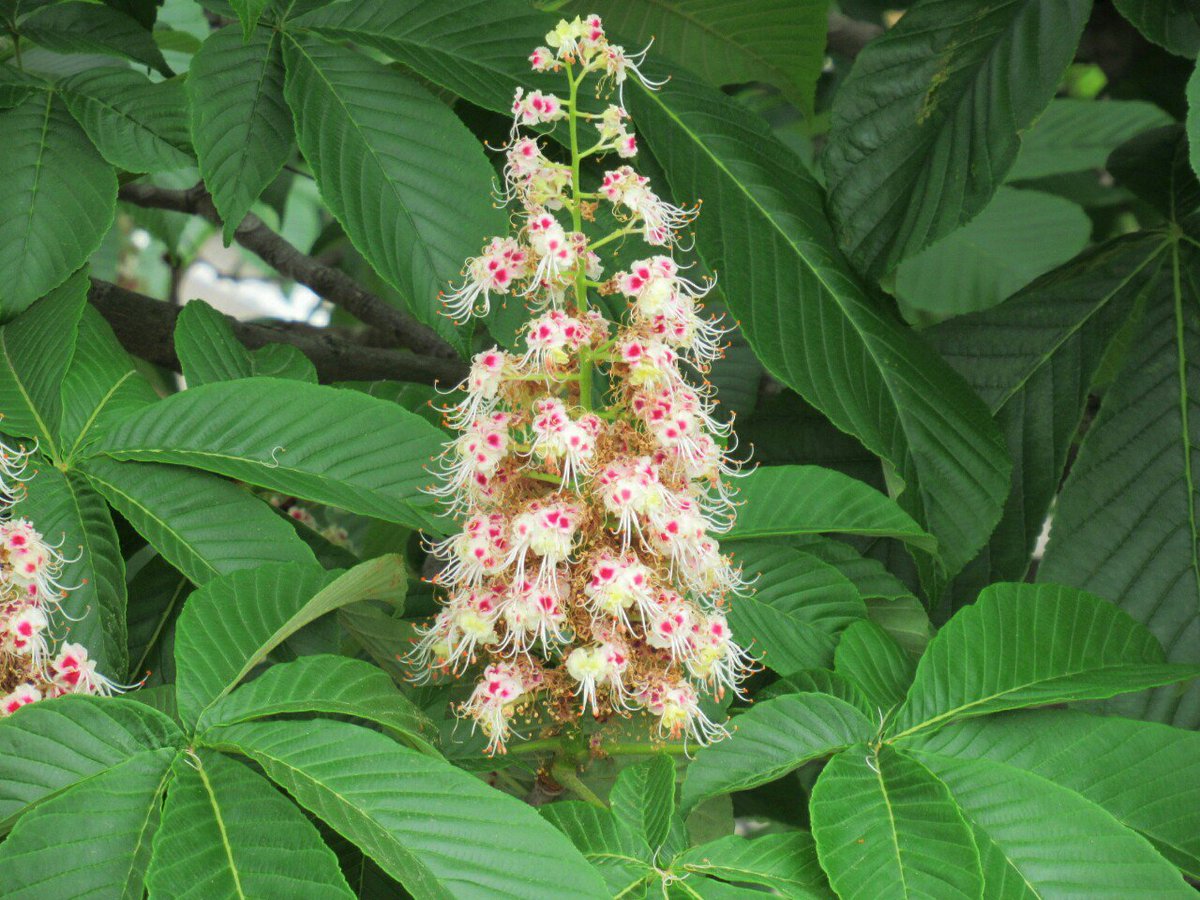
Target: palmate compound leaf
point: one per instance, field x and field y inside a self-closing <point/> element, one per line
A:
<point x="436" y="829"/>
<point x="47" y="747"/>
<point x="770" y="740"/>
<point x="94" y="838"/>
<point x="785" y="280"/>
<point x="928" y="122"/>
<point x="36" y="349"/>
<point x="1030" y="645"/>
<point x="57" y="202"/>
<point x="69" y="512"/>
<point x="231" y="530"/>
<point x="1145" y="774"/>
<point x="886" y="827"/>
<point x="1038" y="839"/>
<point x="1126" y="526"/>
<point x="407" y="180"/>
<point x="230" y="625"/>
<point x="227" y="832"/>
<point x="1033" y="360"/>
<point x="240" y="123"/>
<point x="799" y="606"/>
<point x="332" y="685"/>
<point x="341" y="448"/>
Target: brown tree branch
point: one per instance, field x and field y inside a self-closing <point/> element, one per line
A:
<point x="332" y="284"/>
<point x="146" y="328"/>
<point x="848" y="36"/>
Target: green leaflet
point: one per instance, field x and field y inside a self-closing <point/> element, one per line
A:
<point x="277" y="434"/>
<point x="226" y="832"/>
<point x="135" y="124"/>
<point x="429" y="825"/>
<point x="885" y="826"/>
<point x="1058" y="644"/>
<point x="93" y="838"/>
<point x="232" y="623"/>
<point x="57" y="201"/>
<point x="928" y="122"/>
<point x="1126" y="525"/>
<point x="68" y="511"/>
<point x="240" y="123"/>
<point x="231" y="530"/>
<point x="403" y="175"/>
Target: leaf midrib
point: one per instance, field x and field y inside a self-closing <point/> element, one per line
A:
<point x="1184" y="400"/>
<point x="941" y="717"/>
<point x="216" y="808"/>
<point x="33" y="409"/>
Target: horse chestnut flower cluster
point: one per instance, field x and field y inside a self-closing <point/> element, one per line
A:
<point x="589" y="471"/>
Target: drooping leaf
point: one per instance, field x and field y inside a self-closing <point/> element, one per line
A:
<point x="241" y="125"/>
<point x="93" y="839"/>
<point x="1174" y="24"/>
<point x="813" y="325"/>
<point x="57" y="202"/>
<point x="69" y="513"/>
<point x="35" y="351"/>
<point x="785" y="862"/>
<point x="643" y="799"/>
<point x="231" y="530"/>
<point x="1016" y="237"/>
<point x="1047" y="839"/>
<point x="329" y="684"/>
<point x="770" y="740"/>
<point x="1145" y="774"/>
<point x="781" y="42"/>
<point x="868" y="657"/>
<point x="78" y="27"/>
<point x="928" y="122"/>
<point x="232" y="623"/>
<point x="1033" y="360"/>
<point x="277" y="434"/>
<point x="406" y="179"/>
<point x="226" y="832"/>
<point x="885" y="826"/>
<point x="47" y="747"/>
<point x="1126" y="523"/>
<point x="160" y="590"/>
<point x="135" y="124"/>
<point x="1028" y="645"/>
<point x="789" y="500"/>
<point x="429" y="825"/>
<point x="798" y="607"/>
<point x="1073" y="135"/>
<point x="101" y="384"/>
<point x="622" y="857"/>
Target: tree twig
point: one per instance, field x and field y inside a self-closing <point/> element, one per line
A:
<point x="332" y="284"/>
<point x="145" y="327"/>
